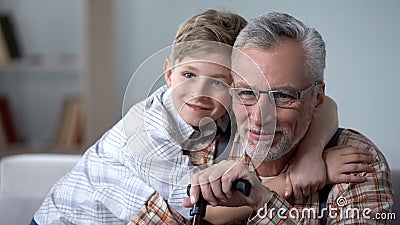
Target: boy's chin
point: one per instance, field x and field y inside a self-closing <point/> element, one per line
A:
<point x="190" y="120"/>
<point x="197" y="122"/>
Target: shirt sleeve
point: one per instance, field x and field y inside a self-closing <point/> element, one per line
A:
<point x="158" y="211"/>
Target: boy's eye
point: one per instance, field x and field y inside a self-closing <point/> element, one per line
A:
<point x="218" y="83"/>
<point x="189" y="75"/>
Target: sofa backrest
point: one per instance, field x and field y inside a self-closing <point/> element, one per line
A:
<point x="25" y="180"/>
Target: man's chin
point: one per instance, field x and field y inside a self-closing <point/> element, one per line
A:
<point x="267" y="151"/>
<point x="258" y="150"/>
<point x="259" y="145"/>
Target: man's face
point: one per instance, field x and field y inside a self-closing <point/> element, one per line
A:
<point x="283" y="69"/>
<point x="200" y="88"/>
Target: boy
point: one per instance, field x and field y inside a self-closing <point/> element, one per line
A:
<point x="141" y="161"/>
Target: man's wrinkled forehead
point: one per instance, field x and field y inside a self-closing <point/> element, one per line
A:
<point x="246" y="73"/>
<point x="250" y="81"/>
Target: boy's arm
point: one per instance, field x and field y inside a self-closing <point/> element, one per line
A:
<point x="344" y="164"/>
<point x="308" y="159"/>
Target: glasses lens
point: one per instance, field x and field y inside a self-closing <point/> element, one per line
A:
<point x="244" y="96"/>
<point x="282" y="98"/>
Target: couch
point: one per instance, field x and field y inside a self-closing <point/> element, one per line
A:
<point x="25" y="180"/>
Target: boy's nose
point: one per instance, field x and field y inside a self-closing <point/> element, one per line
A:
<point x="201" y="87"/>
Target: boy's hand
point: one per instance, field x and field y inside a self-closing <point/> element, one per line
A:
<point x="343" y="161"/>
<point x="305" y="176"/>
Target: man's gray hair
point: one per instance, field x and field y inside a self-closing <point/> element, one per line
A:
<point x="265" y="32"/>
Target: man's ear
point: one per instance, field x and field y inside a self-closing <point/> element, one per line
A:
<point x="319" y="98"/>
<point x="167" y="72"/>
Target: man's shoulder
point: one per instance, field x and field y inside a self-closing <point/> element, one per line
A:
<point x="380" y="166"/>
<point x="350" y="137"/>
<point x="354" y="138"/>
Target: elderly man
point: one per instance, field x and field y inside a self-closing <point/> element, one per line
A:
<point x="273" y="117"/>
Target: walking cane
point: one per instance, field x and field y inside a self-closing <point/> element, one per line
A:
<point x="199" y="209"/>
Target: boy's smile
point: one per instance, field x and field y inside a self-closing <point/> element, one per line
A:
<point x="200" y="88"/>
<point x="198" y="107"/>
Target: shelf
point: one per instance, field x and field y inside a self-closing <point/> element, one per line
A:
<point x="22" y="149"/>
<point x="25" y="66"/>
<point x="75" y="60"/>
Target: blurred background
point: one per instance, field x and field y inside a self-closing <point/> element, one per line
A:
<point x="89" y="49"/>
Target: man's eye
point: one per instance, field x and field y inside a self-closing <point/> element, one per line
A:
<point x="247" y="93"/>
<point x="189" y="75"/>
<point x="282" y="95"/>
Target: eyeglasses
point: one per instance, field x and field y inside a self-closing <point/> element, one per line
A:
<point x="248" y="96"/>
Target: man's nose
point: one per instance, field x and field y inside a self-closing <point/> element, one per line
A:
<point x="263" y="112"/>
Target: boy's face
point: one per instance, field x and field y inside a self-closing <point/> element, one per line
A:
<point x="200" y="88"/>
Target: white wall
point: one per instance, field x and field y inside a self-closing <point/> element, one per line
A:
<point x="362" y="46"/>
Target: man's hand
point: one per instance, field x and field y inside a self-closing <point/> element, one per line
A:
<point x="215" y="184"/>
<point x="342" y="161"/>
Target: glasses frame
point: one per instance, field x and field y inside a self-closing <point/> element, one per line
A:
<point x="298" y="94"/>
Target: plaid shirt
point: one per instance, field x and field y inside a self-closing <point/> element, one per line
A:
<point x="347" y="201"/>
<point x="158" y="211"/>
<point x="142" y="154"/>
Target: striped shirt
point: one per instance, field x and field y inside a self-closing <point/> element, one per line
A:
<point x="346" y="202"/>
<point x="157" y="210"/>
<point x="142" y="154"/>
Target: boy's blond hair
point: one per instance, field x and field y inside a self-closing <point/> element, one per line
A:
<point x="209" y="26"/>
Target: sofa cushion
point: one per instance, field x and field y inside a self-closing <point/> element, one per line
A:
<point x="25" y="180"/>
